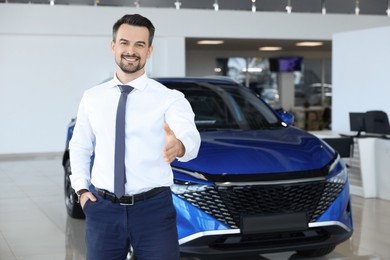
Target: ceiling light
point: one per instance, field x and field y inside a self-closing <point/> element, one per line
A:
<point x="323" y="9"/>
<point x="309" y="44"/>
<point x="51" y="2"/>
<point x="270" y="48"/>
<point x="289" y="7"/>
<point x="357" y="9"/>
<point x="210" y="42"/>
<point x="253" y="6"/>
<point x="253" y="70"/>
<point x="177" y="4"/>
<point x="216" y="6"/>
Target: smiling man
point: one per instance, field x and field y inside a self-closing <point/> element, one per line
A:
<point x="135" y="127"/>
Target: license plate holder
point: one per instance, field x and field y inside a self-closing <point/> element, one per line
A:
<point x="270" y="223"/>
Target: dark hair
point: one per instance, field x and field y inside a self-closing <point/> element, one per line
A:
<point x="136" y="20"/>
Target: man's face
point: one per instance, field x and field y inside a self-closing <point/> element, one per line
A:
<point x="131" y="48"/>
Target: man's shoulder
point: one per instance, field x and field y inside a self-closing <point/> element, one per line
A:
<point x="154" y="83"/>
<point x="163" y="89"/>
<point x="105" y="85"/>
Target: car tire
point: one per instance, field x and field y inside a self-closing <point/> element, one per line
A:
<point x="316" y="252"/>
<point x="73" y="208"/>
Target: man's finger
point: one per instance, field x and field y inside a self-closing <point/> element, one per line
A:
<point x="91" y="196"/>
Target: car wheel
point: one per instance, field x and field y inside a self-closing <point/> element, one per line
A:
<point x="72" y="207"/>
<point x="316" y="252"/>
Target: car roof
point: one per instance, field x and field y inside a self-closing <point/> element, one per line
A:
<point x="209" y="79"/>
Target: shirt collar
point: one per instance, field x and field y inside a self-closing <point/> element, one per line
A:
<point x="138" y="83"/>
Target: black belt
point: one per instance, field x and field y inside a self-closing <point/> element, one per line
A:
<point x="130" y="200"/>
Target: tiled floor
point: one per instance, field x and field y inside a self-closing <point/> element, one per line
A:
<point x="34" y="224"/>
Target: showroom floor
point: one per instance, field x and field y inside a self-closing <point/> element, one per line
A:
<point x="34" y="224"/>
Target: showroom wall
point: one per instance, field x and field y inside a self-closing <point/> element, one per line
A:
<point x="361" y="74"/>
<point x="50" y="54"/>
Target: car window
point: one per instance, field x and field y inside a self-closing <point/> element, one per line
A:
<point x="226" y="107"/>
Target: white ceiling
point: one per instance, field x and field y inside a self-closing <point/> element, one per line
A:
<point x="367" y="7"/>
<point x="370" y="7"/>
<point x="254" y="44"/>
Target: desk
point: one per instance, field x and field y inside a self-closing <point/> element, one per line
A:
<point x="375" y="167"/>
<point x="373" y="162"/>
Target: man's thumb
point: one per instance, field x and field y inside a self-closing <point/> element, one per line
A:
<point x="167" y="129"/>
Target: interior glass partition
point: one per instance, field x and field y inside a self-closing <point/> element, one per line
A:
<point x="312" y="84"/>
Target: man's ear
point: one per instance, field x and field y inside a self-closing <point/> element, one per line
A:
<point x="112" y="44"/>
<point x="150" y="51"/>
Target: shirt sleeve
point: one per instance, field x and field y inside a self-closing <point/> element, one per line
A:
<point x="81" y="149"/>
<point x="180" y="119"/>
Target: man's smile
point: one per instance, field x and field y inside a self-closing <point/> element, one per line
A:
<point x="131" y="58"/>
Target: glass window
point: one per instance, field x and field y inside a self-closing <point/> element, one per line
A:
<point x="312" y="78"/>
<point x="232" y="106"/>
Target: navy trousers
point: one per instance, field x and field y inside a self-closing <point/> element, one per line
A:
<point x="150" y="227"/>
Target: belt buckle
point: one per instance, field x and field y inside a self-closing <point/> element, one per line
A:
<point x="127" y="202"/>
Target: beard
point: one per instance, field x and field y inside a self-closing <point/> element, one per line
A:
<point x="129" y="68"/>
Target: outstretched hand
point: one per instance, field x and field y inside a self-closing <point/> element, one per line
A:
<point x="173" y="146"/>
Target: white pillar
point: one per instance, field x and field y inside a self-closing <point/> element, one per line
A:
<point x="168" y="58"/>
<point x="286" y="90"/>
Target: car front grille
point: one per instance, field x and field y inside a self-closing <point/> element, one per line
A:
<point x="228" y="203"/>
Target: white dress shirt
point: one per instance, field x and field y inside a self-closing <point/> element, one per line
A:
<point x="148" y="106"/>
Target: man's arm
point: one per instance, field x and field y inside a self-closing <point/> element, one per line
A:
<point x="81" y="149"/>
<point x="181" y="129"/>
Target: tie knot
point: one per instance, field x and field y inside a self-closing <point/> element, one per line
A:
<point x="125" y="88"/>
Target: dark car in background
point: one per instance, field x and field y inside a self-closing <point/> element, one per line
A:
<point x="258" y="185"/>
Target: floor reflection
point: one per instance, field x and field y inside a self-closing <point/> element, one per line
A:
<point x="75" y="239"/>
<point x="369" y="236"/>
<point x="34" y="223"/>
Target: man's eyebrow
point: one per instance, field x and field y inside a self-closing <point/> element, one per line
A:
<point x="138" y="42"/>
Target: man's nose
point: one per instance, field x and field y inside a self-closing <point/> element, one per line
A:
<point x="130" y="50"/>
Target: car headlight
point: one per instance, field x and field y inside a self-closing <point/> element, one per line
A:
<point x="182" y="187"/>
<point x="187" y="187"/>
<point x="342" y="175"/>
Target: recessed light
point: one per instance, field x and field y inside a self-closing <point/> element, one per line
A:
<point x="309" y="44"/>
<point x="270" y="48"/>
<point x="210" y="42"/>
<point x="254" y="70"/>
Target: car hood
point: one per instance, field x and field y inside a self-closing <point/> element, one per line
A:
<point x="255" y="152"/>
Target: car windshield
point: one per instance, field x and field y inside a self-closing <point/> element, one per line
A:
<point x="226" y="107"/>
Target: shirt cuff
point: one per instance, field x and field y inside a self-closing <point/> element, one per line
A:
<point x="191" y="150"/>
<point x="80" y="185"/>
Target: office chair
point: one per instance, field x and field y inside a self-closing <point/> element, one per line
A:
<point x="343" y="145"/>
<point x="376" y="122"/>
<point x="356" y="122"/>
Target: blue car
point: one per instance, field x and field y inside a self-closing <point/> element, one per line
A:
<point x="258" y="185"/>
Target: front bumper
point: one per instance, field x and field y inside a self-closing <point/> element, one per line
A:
<point x="210" y="224"/>
<point x="232" y="242"/>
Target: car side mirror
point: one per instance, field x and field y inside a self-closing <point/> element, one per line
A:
<point x="286" y="117"/>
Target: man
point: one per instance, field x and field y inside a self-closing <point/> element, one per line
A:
<point x="159" y="127"/>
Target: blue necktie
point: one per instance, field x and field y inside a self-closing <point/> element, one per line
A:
<point x="120" y="171"/>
